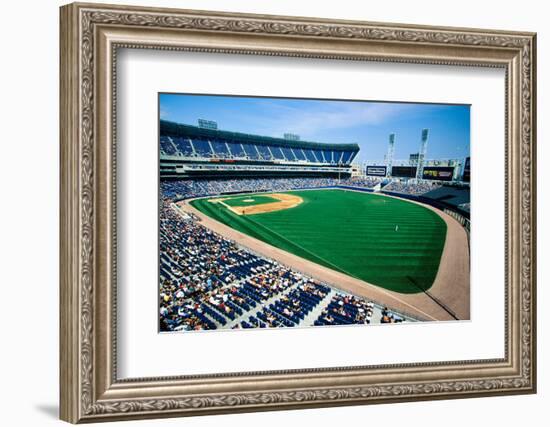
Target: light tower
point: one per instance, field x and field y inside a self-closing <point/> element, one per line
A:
<point x="422" y="153"/>
<point x="389" y="156"/>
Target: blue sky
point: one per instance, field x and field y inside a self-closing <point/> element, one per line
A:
<point x="366" y="123"/>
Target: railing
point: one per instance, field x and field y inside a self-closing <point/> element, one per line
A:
<point x="274" y="167"/>
<point x="245" y="158"/>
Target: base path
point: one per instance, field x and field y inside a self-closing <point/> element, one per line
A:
<point x="285" y="201"/>
<point x="447" y="299"/>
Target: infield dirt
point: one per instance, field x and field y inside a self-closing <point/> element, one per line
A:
<point x="285" y="201"/>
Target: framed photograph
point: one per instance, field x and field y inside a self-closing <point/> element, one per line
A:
<point x="266" y="212"/>
<point x="324" y="237"/>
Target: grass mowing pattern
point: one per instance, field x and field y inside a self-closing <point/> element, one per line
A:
<point x="258" y="200"/>
<point x="353" y="233"/>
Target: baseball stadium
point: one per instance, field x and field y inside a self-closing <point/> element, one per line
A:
<point x="258" y="231"/>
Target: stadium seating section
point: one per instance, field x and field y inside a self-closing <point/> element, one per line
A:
<point x="184" y="141"/>
<point x="413" y="188"/>
<point x="454" y="196"/>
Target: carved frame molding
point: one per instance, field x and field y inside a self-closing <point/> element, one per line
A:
<point x="90" y="37"/>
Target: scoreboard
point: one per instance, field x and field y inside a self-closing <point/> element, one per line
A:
<point x="440" y="173"/>
<point x="376" y="171"/>
<point x="403" y="171"/>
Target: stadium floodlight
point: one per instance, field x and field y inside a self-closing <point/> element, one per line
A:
<point x="422" y="153"/>
<point x="389" y="157"/>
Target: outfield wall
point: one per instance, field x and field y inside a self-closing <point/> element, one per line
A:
<point x="349" y="187"/>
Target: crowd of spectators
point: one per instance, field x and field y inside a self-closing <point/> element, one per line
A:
<point x="292" y="307"/>
<point x="194" y="262"/>
<point x="409" y="187"/>
<point x="363" y="182"/>
<point x="198" y="188"/>
<point x="390" y="317"/>
<point x="346" y="310"/>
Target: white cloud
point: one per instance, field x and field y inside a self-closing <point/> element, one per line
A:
<point x="329" y="116"/>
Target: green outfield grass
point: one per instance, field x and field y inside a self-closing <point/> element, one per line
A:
<point x="352" y="232"/>
<point x="258" y="200"/>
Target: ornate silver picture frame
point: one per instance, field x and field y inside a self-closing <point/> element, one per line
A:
<point x="91" y="37"/>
